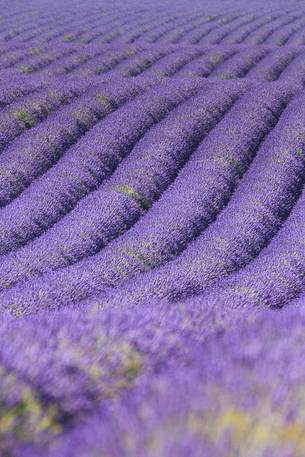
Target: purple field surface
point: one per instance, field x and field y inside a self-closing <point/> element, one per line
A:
<point x="152" y="228"/>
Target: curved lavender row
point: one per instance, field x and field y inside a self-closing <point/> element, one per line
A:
<point x="144" y="247"/>
<point x="187" y="38"/>
<point x="38" y="37"/>
<point x="205" y="64"/>
<point x="276" y="276"/>
<point x="271" y="67"/>
<point x="52" y="137"/>
<point x="228" y="244"/>
<point x="203" y="28"/>
<point x="97" y="66"/>
<point x="131" y="16"/>
<point x="40" y="23"/>
<point x="200" y="30"/>
<point x="125" y="61"/>
<point x="106" y="58"/>
<point x="122" y="200"/>
<point x="13" y="91"/>
<point x="169" y="65"/>
<point x="222" y="26"/>
<point x="128" y="30"/>
<point x="208" y="28"/>
<point x="241" y="33"/>
<point x="139" y="63"/>
<point x="161" y="27"/>
<point x="241" y="63"/>
<point x="179" y="33"/>
<point x="123" y="26"/>
<point x="32" y="34"/>
<point x="295" y="71"/>
<point x="145" y="34"/>
<point x="6" y="36"/>
<point x="27" y="24"/>
<point x="262" y="33"/>
<point x="253" y="216"/>
<point x="133" y="29"/>
<point x="17" y="55"/>
<point x="44" y="60"/>
<point x="77" y="30"/>
<point x="146" y="28"/>
<point x="256" y="62"/>
<point x="111" y="59"/>
<point x="159" y="35"/>
<point x="206" y="36"/>
<point x="67" y="65"/>
<point x="7" y="48"/>
<point x="282" y="36"/>
<point x="31" y="110"/>
<point x="216" y="36"/>
<point x="59" y="32"/>
<point x="297" y="39"/>
<point x="86" y="164"/>
<point x="233" y="239"/>
<point x="65" y="26"/>
<point x="102" y="32"/>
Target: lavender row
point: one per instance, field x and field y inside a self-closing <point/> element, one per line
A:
<point x="108" y="32"/>
<point x="86" y="164"/>
<point x="242" y="32"/>
<point x="276" y="276"/>
<point x="273" y="32"/>
<point x="24" y="114"/>
<point x="265" y="33"/>
<point x="204" y="65"/>
<point x="217" y="35"/>
<point x="240" y="64"/>
<point x="208" y="25"/>
<point x="178" y="33"/>
<point x="115" y="31"/>
<point x="197" y="36"/>
<point x="61" y="25"/>
<point x="146" y="28"/>
<point x="283" y="35"/>
<point x="194" y="35"/>
<point x="42" y="61"/>
<point x="256" y="212"/>
<point x="99" y="66"/>
<point x="13" y="91"/>
<point x="154" y="240"/>
<point x="259" y="63"/>
<point x="20" y="163"/>
<point x="297" y="39"/>
<point x="141" y="62"/>
<point x="117" y="204"/>
<point x="271" y="67"/>
<point x="73" y="62"/>
<point x="193" y="29"/>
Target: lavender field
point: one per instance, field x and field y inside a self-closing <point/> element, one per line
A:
<point x="152" y="228"/>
